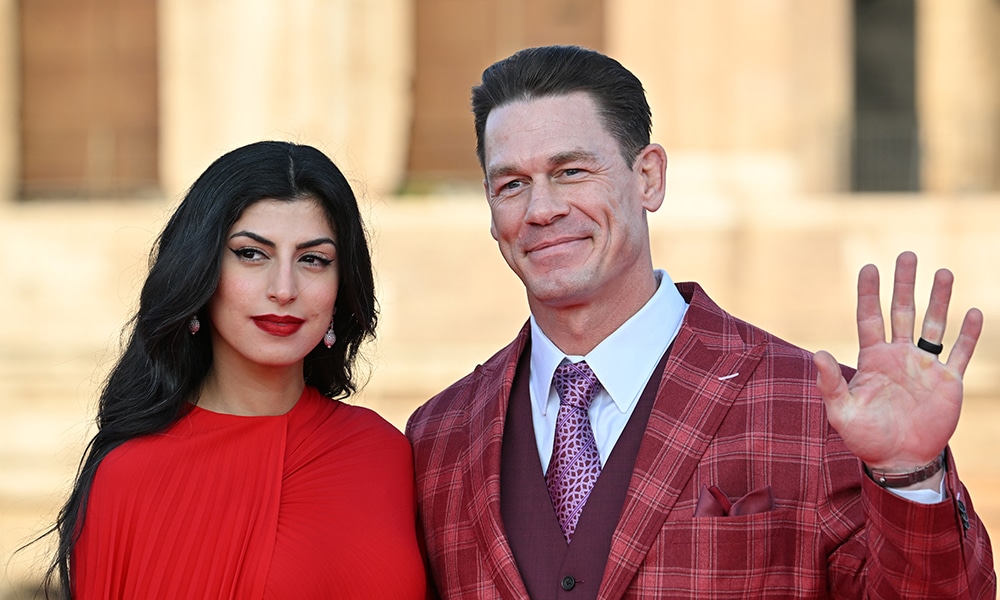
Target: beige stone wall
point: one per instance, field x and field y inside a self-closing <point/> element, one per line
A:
<point x="755" y="94"/>
<point x="336" y="75"/>
<point x="959" y="94"/>
<point x="748" y="94"/>
<point x="332" y="74"/>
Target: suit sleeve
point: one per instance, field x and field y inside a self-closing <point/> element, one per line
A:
<point x="909" y="550"/>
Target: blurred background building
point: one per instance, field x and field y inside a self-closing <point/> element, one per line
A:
<point x="805" y="139"/>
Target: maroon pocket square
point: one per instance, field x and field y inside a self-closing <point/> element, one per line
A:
<point x="713" y="503"/>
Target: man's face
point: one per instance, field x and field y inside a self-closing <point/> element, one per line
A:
<point x="568" y="213"/>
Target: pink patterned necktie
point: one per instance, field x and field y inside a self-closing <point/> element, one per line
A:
<point x="575" y="462"/>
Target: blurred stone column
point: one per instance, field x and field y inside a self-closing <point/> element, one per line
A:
<point x="822" y="56"/>
<point x="958" y="94"/>
<point x="751" y="97"/>
<point x="335" y="74"/>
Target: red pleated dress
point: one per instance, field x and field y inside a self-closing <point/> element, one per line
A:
<point x="316" y="503"/>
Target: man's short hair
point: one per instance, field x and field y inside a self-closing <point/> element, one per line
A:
<point x="557" y="70"/>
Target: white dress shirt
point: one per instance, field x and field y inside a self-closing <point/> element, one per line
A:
<point x="623" y="362"/>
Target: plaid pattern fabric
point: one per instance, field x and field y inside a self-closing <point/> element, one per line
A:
<point x="736" y="409"/>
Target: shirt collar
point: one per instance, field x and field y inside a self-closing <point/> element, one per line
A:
<point x="624" y="360"/>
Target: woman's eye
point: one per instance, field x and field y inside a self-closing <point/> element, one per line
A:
<point x="248" y="254"/>
<point x="313" y="259"/>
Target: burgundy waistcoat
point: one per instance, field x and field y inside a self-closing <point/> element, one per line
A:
<point x="549" y="567"/>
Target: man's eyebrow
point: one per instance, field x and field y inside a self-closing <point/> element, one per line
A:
<point x="554" y="160"/>
<point x="571" y="156"/>
<point x="501" y="171"/>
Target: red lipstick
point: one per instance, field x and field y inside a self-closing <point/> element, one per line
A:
<point x="279" y="325"/>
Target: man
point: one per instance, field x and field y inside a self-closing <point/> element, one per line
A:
<point x="636" y="441"/>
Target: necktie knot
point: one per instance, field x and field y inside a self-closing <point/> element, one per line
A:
<point x="576" y="384"/>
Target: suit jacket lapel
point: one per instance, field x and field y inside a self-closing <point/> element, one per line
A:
<point x="708" y="366"/>
<point x="481" y="466"/>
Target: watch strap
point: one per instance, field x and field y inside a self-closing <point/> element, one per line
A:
<point x="889" y="479"/>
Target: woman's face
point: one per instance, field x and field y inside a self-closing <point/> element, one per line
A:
<point x="277" y="286"/>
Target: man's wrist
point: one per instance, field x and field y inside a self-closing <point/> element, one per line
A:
<point x="897" y="479"/>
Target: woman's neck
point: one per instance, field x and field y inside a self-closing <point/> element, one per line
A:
<point x="271" y="392"/>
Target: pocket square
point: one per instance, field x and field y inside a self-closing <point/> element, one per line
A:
<point x="713" y="502"/>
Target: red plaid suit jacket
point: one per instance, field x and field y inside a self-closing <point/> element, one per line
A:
<point x="736" y="409"/>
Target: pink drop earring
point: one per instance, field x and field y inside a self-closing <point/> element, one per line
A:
<point x="330" y="337"/>
<point x="194" y="325"/>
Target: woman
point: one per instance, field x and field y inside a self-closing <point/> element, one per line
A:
<point x="225" y="465"/>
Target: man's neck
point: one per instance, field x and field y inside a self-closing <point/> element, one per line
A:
<point x="577" y="329"/>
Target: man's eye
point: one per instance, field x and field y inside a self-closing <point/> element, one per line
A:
<point x="505" y="188"/>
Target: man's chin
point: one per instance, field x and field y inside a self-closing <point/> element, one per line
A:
<point x="556" y="294"/>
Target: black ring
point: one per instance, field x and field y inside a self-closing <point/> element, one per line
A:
<point x="931" y="347"/>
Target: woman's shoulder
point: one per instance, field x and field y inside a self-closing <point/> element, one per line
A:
<point x="348" y="417"/>
<point x="150" y="446"/>
<point x="134" y="460"/>
<point x="195" y="440"/>
<point x="342" y="434"/>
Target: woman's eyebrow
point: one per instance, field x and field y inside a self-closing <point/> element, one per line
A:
<point x="266" y="242"/>
<point x="316" y="242"/>
<point x="253" y="236"/>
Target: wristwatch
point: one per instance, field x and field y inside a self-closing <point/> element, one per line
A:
<point x="888" y="479"/>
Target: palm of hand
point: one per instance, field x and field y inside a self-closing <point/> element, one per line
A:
<point x="902" y="405"/>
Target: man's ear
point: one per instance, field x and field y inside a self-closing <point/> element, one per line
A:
<point x="651" y="168"/>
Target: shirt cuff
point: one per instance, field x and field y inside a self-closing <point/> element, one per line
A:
<point x="921" y="496"/>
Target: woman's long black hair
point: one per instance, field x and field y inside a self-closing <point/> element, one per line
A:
<point x="163" y="366"/>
